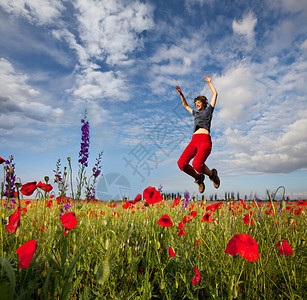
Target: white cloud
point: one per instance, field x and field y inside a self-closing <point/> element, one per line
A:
<point x="246" y="27"/>
<point x="19" y="98"/>
<point x="93" y="84"/>
<point x="36" y="11"/>
<point x="110" y="29"/>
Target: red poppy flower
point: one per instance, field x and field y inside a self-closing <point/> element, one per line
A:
<point x="193" y="214"/>
<point x="171" y="252"/>
<point x="45" y="187"/>
<point x="284" y="248"/>
<point x="28" y="189"/>
<point x="151" y="195"/>
<point x="69" y="220"/>
<point x="180" y="226"/>
<point x="208" y="218"/>
<point x="165" y="221"/>
<point x="214" y="207"/>
<point x="196" y="278"/>
<point x="302" y="203"/>
<point x="244" y="245"/>
<point x="182" y="232"/>
<point x="25" y="253"/>
<point x="14" y="221"/>
<point x="2" y="160"/>
<point x="126" y="205"/>
<point x="177" y="201"/>
<point x="246" y="219"/>
<point x="186" y="219"/>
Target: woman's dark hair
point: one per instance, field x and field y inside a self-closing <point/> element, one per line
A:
<point x="203" y="99"/>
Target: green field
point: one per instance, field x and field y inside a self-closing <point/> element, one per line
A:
<point x="119" y="251"/>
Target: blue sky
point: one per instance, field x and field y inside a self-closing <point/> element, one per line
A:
<point x="121" y="60"/>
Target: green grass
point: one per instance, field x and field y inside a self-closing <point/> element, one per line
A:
<point x="126" y="256"/>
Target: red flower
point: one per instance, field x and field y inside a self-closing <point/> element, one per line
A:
<point x="136" y="199"/>
<point x="165" y="221"/>
<point x="246" y="219"/>
<point x="2" y="160"/>
<point x="196" y="278"/>
<point x="302" y="203"/>
<point x="151" y="195"/>
<point x="28" y="202"/>
<point x="284" y="248"/>
<point x="269" y="212"/>
<point x="126" y="205"/>
<point x="245" y="245"/>
<point x="171" y="252"/>
<point x="14" y="221"/>
<point x="182" y="232"/>
<point x="28" y="189"/>
<point x="25" y="253"/>
<point x="193" y="214"/>
<point x="44" y="187"/>
<point x="186" y="219"/>
<point x="177" y="201"/>
<point x="214" y="207"/>
<point x="69" y="220"/>
<point x="207" y="218"/>
<point x="180" y="226"/>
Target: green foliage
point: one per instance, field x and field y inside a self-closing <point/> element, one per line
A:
<point x="126" y="256"/>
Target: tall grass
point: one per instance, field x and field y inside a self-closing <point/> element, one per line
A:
<point x="125" y="255"/>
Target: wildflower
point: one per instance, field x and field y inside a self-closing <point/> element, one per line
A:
<point x="165" y="221"/>
<point x="196" y="278"/>
<point x="208" y="218"/>
<point x="193" y="214"/>
<point x="151" y="195"/>
<point x="246" y="219"/>
<point x="69" y="221"/>
<point x="136" y="199"/>
<point x="25" y="253"/>
<point x="186" y="219"/>
<point x="244" y="245"/>
<point x="302" y="203"/>
<point x="180" y="226"/>
<point x="182" y="232"/>
<point x="171" y="252"/>
<point x="14" y="221"/>
<point x="214" y="207"/>
<point x="2" y="160"/>
<point x="28" y="189"/>
<point x="84" y="153"/>
<point x="45" y="187"/>
<point x="176" y="201"/>
<point x="284" y="248"/>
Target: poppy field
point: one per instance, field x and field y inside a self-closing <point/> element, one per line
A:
<point x="149" y="248"/>
<point x="55" y="246"/>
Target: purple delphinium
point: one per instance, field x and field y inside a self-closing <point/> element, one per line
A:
<point x="84" y="153"/>
<point x="160" y="188"/>
<point x="58" y="176"/>
<point x="10" y="178"/>
<point x="185" y="204"/>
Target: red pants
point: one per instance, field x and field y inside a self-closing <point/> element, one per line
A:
<point x="199" y="148"/>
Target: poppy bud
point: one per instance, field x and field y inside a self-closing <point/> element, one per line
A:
<point x="290" y="221"/>
<point x="46" y="178"/>
<point x="68" y="158"/>
<point x="18" y="184"/>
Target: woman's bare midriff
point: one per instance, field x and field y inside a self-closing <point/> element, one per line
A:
<point x="201" y="130"/>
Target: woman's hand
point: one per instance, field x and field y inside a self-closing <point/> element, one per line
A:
<point x="179" y="90"/>
<point x="208" y="78"/>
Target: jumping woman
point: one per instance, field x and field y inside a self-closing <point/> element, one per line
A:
<point x="200" y="146"/>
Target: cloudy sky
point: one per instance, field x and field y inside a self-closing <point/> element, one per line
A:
<point x="121" y="60"/>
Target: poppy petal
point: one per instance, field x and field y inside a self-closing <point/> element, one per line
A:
<point x="165" y="221"/>
<point x="25" y="253"/>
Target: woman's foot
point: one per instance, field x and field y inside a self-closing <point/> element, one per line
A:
<point x="215" y="178"/>
<point x="200" y="181"/>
